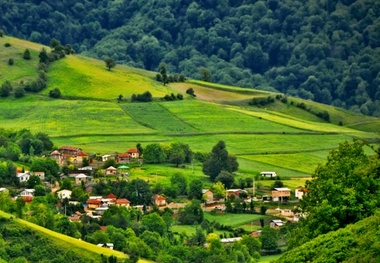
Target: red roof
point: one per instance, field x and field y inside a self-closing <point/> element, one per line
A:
<point x="123" y="155"/>
<point x="82" y="154"/>
<point x="27" y="198"/>
<point x="111" y="196"/>
<point x="69" y="148"/>
<point x="122" y="201"/>
<point x="158" y="197"/>
<point x="133" y="150"/>
<point x="55" y="153"/>
<point x="93" y="202"/>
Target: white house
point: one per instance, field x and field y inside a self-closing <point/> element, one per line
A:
<point x="23" y="177"/>
<point x="81" y="177"/>
<point x="64" y="194"/>
<point x="276" y="223"/>
<point x="41" y="175"/>
<point x="27" y="192"/>
<point x="268" y="174"/>
<point x="106" y="157"/>
<point x="299" y="192"/>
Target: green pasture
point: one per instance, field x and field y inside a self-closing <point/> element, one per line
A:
<point x="91" y="251"/>
<point x="157" y="117"/>
<point x="190" y="230"/>
<point x="234" y="220"/>
<point x="83" y="77"/>
<point x="68" y="117"/>
<point x="292" y="184"/>
<point x="268" y="259"/>
<point x="21" y="70"/>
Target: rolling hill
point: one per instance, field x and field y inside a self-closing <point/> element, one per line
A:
<point x="278" y="136"/>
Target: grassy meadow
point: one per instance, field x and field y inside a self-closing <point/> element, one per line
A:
<point x="280" y="137"/>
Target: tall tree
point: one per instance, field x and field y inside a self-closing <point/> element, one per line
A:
<point x="219" y="160"/>
<point x="154" y="153"/>
<point x="195" y="189"/>
<point x="110" y="63"/>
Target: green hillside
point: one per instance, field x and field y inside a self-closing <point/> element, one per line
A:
<point x="278" y="136"/>
<point x="358" y="242"/>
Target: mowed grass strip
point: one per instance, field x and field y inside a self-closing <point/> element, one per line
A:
<point x="156" y="116"/>
<point x="78" y="76"/>
<point x="21" y="70"/>
<point x="234" y="220"/>
<point x="210" y="117"/>
<point x="63" y="117"/>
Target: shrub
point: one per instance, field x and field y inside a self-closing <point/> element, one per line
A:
<point x="191" y="92"/>
<point x="27" y="55"/>
<point x="179" y="96"/>
<point x="5" y="89"/>
<point x="1" y="33"/>
<point x="55" y="93"/>
<point x="19" y="92"/>
<point x="7" y="45"/>
<point x="11" y="61"/>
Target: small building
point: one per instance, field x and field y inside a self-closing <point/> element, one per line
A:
<point x="56" y="155"/>
<point x="230" y="240"/>
<point x="41" y="175"/>
<point x="122" y="202"/>
<point x="107" y="157"/>
<point x="81" y="178"/>
<point x="101" y="210"/>
<point x="268" y="174"/>
<point x="27" y="193"/>
<point x="208" y="195"/>
<point x="133" y="153"/>
<point x="112" y="197"/>
<point x="86" y="168"/>
<point x="107" y="245"/>
<point x="287" y="212"/>
<point x="276" y="223"/>
<point x="23" y="177"/>
<point x="235" y="192"/>
<point x="111" y="171"/>
<point x="94" y="203"/>
<point x="123" y="158"/>
<point x="64" y="194"/>
<point x="282" y="193"/>
<point x="299" y="192"/>
<point x="159" y="200"/>
<point x="81" y="155"/>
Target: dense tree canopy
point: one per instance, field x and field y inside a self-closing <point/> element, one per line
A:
<point x="325" y="50"/>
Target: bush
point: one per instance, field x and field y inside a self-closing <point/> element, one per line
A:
<point x="5" y="89"/>
<point x="19" y="92"/>
<point x="7" y="45"/>
<point x="55" y="93"/>
<point x="1" y="33"/>
<point x="11" y="61"/>
<point x="27" y="55"/>
<point x="191" y="92"/>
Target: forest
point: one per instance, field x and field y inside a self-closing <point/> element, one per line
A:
<point x="327" y="51"/>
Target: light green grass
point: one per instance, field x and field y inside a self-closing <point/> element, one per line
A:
<point x="21" y="70"/>
<point x="234" y="220"/>
<point x="89" y="78"/>
<point x="62" y="117"/>
<point x="268" y="259"/>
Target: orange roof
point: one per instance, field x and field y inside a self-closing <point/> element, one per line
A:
<point x="158" y="197"/>
<point x="69" y="148"/>
<point x="82" y="154"/>
<point x="132" y="150"/>
<point x="123" y="155"/>
<point x="55" y="153"/>
<point x="122" y="201"/>
<point x="93" y="202"/>
<point x="111" y="196"/>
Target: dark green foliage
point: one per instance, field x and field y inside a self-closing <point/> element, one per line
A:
<point x="269" y="238"/>
<point x="110" y="63"/>
<point x="43" y="56"/>
<point x="55" y="93"/>
<point x="191" y="214"/>
<point x="218" y="161"/>
<point x="7" y="44"/>
<point x="11" y="61"/>
<point x="195" y="189"/>
<point x="145" y="97"/>
<point x="261" y="101"/>
<point x="153" y="153"/>
<point x="191" y="92"/>
<point x="1" y="33"/>
<point x="27" y="55"/>
<point x="19" y="92"/>
<point x="5" y="89"/>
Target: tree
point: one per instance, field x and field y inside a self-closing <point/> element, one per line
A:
<point x="33" y="181"/>
<point x="110" y="63"/>
<point x="163" y="73"/>
<point x="178" y="180"/>
<point x="27" y="55"/>
<point x="269" y="238"/>
<point x="195" y="189"/>
<point x="11" y="61"/>
<point x="218" y="161"/>
<point x="226" y="178"/>
<point x="205" y="74"/>
<point x="176" y="154"/>
<point x="342" y="191"/>
<point x="5" y="89"/>
<point x="191" y="92"/>
<point x="154" y="153"/>
<point x="44" y="58"/>
<point x="191" y="214"/>
<point x="154" y="222"/>
<point x="253" y="244"/>
<point x="19" y="92"/>
<point x="219" y="190"/>
<point x="139" y="149"/>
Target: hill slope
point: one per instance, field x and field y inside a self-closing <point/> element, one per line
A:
<point x="326" y="51"/>
<point x="359" y="242"/>
<point x="89" y="116"/>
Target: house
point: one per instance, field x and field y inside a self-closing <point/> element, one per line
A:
<point x="107" y="157"/>
<point x="122" y="202"/>
<point x="159" y="200"/>
<point x="235" y="192"/>
<point x="86" y="168"/>
<point x="111" y="171"/>
<point x="287" y="212"/>
<point x="276" y="223"/>
<point x="280" y="194"/>
<point x="208" y="195"/>
<point x="112" y="197"/>
<point x="94" y="203"/>
<point x="230" y="240"/>
<point x="268" y="174"/>
<point x="27" y="193"/>
<point x="41" y="175"/>
<point x="56" y="155"/>
<point x="81" y="178"/>
<point x="23" y="177"/>
<point x="101" y="210"/>
<point x="123" y="158"/>
<point x="81" y="155"/>
<point x="64" y="194"/>
<point x="133" y="153"/>
<point x="299" y="192"/>
<point x="69" y="151"/>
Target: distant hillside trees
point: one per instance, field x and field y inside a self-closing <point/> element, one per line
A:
<point x="5" y="89"/>
<point x="55" y="93"/>
<point x="145" y="97"/>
